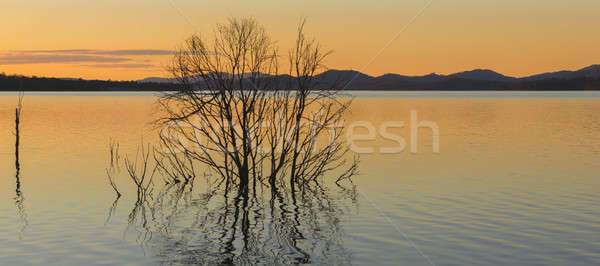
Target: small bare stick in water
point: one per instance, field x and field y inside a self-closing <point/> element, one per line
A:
<point x="19" y="199"/>
<point x="17" y="136"/>
<point x="112" y="183"/>
<point x="138" y="170"/>
<point x="114" y="165"/>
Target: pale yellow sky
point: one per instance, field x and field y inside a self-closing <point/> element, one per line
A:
<point x="512" y="37"/>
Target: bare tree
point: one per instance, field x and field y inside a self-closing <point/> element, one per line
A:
<point x="236" y="114"/>
<point x="247" y="127"/>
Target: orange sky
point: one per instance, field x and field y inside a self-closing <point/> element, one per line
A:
<point x="512" y="37"/>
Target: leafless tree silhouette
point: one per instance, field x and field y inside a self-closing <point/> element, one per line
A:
<point x="235" y="114"/>
<point x="264" y="143"/>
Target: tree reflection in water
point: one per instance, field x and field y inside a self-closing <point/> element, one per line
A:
<point x="181" y="225"/>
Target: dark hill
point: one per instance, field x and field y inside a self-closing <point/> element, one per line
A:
<point x="480" y="79"/>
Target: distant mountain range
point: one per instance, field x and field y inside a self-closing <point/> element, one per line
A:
<point x="480" y="79"/>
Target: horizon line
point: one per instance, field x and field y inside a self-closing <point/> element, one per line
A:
<point x="334" y="69"/>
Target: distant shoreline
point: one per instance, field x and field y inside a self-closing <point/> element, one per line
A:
<point x="154" y="90"/>
<point x="348" y="90"/>
<point x="355" y="94"/>
<point x="586" y="79"/>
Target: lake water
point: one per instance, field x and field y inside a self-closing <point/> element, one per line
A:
<point x="515" y="182"/>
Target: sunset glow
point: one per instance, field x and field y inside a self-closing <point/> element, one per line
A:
<point x="512" y="37"/>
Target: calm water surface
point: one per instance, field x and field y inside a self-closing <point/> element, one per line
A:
<point x="516" y="182"/>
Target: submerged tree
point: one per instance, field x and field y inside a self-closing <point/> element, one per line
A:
<point x="236" y="114"/>
<point x="264" y="143"/>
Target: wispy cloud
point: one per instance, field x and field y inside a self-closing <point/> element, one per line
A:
<point x="81" y="56"/>
<point x="136" y="52"/>
<point x="15" y="59"/>
<point x="126" y="65"/>
<point x="128" y="52"/>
